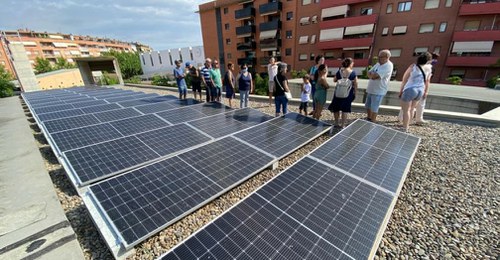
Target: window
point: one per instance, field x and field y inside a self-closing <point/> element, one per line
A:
<point x="151" y="58"/>
<point x="389" y="8"/>
<point x="226" y="26"/>
<point x="229" y="56"/>
<point x="304" y="21"/>
<point x="312" y="56"/>
<point x="471" y="25"/>
<point x="419" y="50"/>
<point x="442" y="27"/>
<point x="313" y="39"/>
<point x="288" y="52"/>
<point x="366" y="11"/>
<point x="228" y="41"/>
<point x="404" y="6"/>
<point x="303" y="39"/>
<point x="159" y="58"/>
<point x="395" y="53"/>
<point x="437" y="50"/>
<point x="289" y="34"/>
<point x="329" y="55"/>
<point x="314" y="19"/>
<point x="399" y="29"/>
<point x="426" y="28"/>
<point x="385" y="31"/>
<point x="226" y="10"/>
<point x="448" y="3"/>
<point x="306" y="2"/>
<point x="289" y="16"/>
<point x="143" y="61"/>
<point x="359" y="55"/>
<point x="431" y="4"/>
<point x="459" y="73"/>
<point x="302" y="57"/>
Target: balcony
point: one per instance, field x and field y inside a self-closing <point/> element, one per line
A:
<point x="490" y="7"/>
<point x="263" y="61"/>
<point x="245" y="31"/>
<point x="270" y="8"/>
<point x="485" y="35"/>
<point x="270" y="44"/>
<point x="471" y="61"/>
<point x="345" y="43"/>
<point x="338" y="63"/>
<point x="274" y="25"/>
<point x="245" y="13"/>
<point x="349" y="21"/>
<point x="245" y="46"/>
<point x="248" y="61"/>
<point x="327" y="4"/>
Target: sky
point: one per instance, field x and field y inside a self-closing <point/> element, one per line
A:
<point x="161" y="24"/>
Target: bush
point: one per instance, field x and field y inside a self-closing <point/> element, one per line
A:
<point x="261" y="85"/>
<point x="158" y="80"/>
<point x="6" y="88"/>
<point x="364" y="73"/>
<point x="455" y="80"/>
<point x="491" y="83"/>
<point x="298" y="74"/>
<point x="107" y="79"/>
<point x="133" y="80"/>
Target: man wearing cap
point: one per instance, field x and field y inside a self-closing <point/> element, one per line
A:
<point x="179" y="78"/>
<point x="194" y="74"/>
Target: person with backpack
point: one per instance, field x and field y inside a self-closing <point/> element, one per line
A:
<point x="194" y="74"/>
<point x="414" y="86"/>
<point x="345" y="92"/>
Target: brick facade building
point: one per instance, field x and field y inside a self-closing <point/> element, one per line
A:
<point x="466" y="34"/>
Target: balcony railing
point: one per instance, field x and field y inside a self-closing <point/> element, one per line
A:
<point x="346" y="43"/>
<point x="270" y="8"/>
<point x="471" y="61"/>
<point x="327" y="4"/>
<point x="245" y="46"/>
<point x="469" y="8"/>
<point x="273" y="25"/>
<point x="349" y="21"/>
<point x="245" y="13"/>
<point x="480" y="35"/>
<point x="270" y="44"/>
<point x="245" y="31"/>
<point x="248" y="61"/>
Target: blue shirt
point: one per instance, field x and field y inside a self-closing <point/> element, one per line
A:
<point x="179" y="77"/>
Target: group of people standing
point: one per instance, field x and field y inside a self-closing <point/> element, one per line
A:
<point x="413" y="91"/>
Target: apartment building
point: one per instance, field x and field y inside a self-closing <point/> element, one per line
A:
<point x="54" y="45"/>
<point x="465" y="33"/>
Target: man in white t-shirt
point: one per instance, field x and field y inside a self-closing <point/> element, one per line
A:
<point x="272" y="70"/>
<point x="379" y="76"/>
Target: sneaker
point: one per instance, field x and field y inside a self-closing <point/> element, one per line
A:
<point x="421" y="123"/>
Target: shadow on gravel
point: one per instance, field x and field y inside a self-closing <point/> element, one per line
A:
<point x="61" y="182"/>
<point x="87" y="234"/>
<point x="48" y="155"/>
<point x="35" y="128"/>
<point x="31" y="120"/>
<point x="28" y="114"/>
<point x="40" y="138"/>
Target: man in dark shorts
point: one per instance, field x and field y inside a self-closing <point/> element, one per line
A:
<point x="194" y="74"/>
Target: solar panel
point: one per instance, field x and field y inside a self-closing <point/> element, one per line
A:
<point x="47" y="103"/>
<point x="162" y="106"/>
<point x="230" y="122"/>
<point x="116" y="114"/>
<point x="60" y="114"/>
<point x="137" y="95"/>
<point x="189" y="113"/>
<point x="138" y="102"/>
<point x="79" y="137"/>
<point x="283" y="135"/>
<point x="134" y="125"/>
<point x="312" y="210"/>
<point x="147" y="199"/>
<point x="76" y="99"/>
<point x="90" y="103"/>
<point x="100" y="108"/>
<point x="62" y="124"/>
<point x="173" y="139"/>
<point x="55" y="108"/>
<point x="92" y="163"/>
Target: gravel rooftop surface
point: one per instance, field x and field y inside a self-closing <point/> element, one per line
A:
<point x="448" y="208"/>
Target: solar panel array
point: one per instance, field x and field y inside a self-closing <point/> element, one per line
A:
<point x="332" y="204"/>
<point x="147" y="160"/>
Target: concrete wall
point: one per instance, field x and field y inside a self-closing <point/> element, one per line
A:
<point x="60" y="79"/>
<point x="22" y="65"/>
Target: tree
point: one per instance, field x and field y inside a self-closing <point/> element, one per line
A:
<point x="62" y="63"/>
<point x="129" y="62"/>
<point x="42" y="65"/>
<point x="6" y="87"/>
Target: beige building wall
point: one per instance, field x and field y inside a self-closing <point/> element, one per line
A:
<point x="60" y="79"/>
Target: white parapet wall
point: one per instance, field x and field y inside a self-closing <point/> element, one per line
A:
<point x="162" y="62"/>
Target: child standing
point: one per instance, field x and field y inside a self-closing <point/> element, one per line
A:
<point x="304" y="96"/>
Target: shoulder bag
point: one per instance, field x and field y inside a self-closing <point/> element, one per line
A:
<point x="288" y="95"/>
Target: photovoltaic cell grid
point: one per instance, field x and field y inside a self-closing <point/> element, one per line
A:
<point x="312" y="210"/>
<point x="134" y="125"/>
<point x="147" y="199"/>
<point x="146" y="101"/>
<point x="79" y="137"/>
<point x="62" y="124"/>
<point x="189" y="113"/>
<point x="162" y="106"/>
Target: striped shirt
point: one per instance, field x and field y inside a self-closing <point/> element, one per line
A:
<point x="205" y="72"/>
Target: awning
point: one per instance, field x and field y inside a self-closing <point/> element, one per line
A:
<point x="72" y="44"/>
<point x="334" y="11"/>
<point x="304" y="20"/>
<point x="60" y="44"/>
<point x="55" y="37"/>
<point x="74" y="52"/>
<point x="331" y="34"/>
<point x="303" y="39"/>
<point x="399" y="29"/>
<point x="268" y="34"/>
<point x="360" y="29"/>
<point x="356" y="48"/>
<point x="472" y="46"/>
<point x="29" y="43"/>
